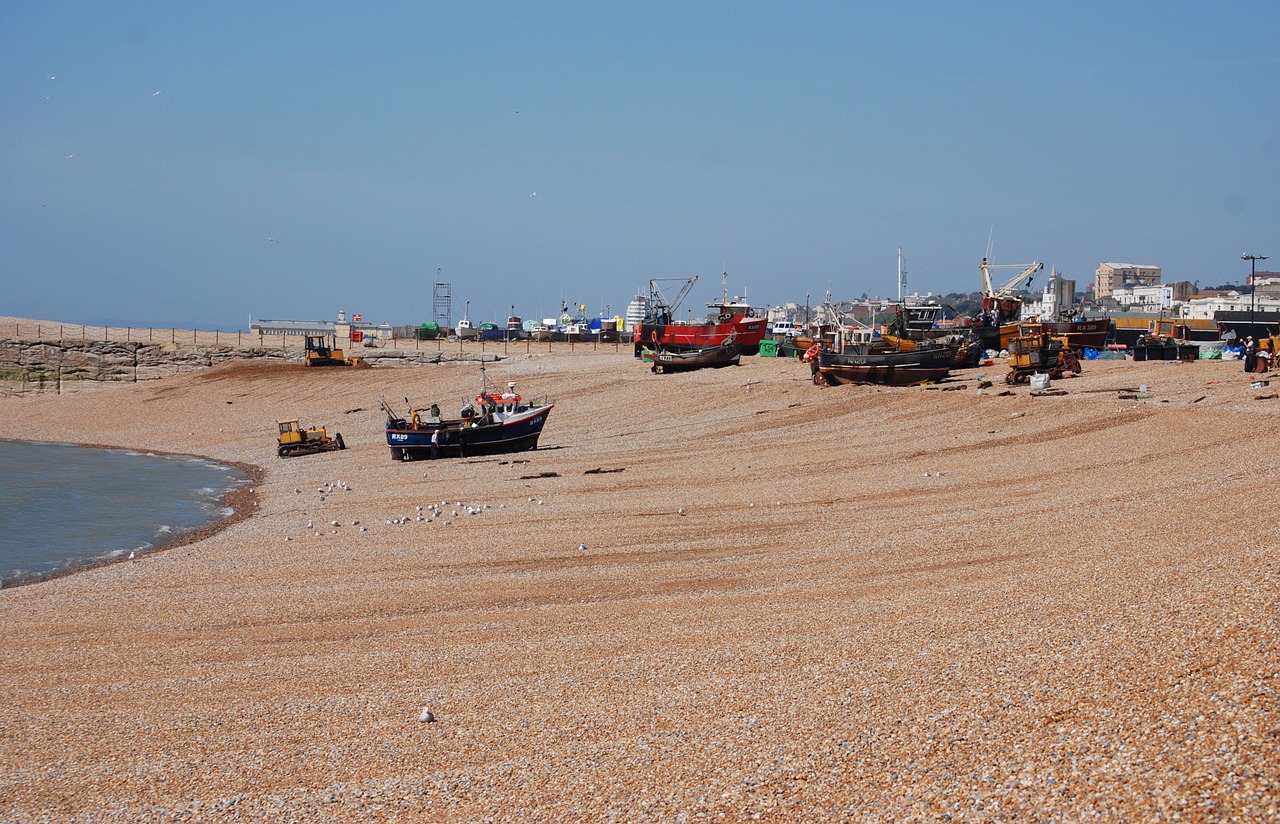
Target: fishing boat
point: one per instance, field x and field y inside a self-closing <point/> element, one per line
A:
<point x="661" y="330"/>
<point x="684" y="360"/>
<point x="879" y="362"/>
<point x="918" y="326"/>
<point x="542" y="331"/>
<point x="1003" y="319"/>
<point x="464" y="330"/>
<point x="606" y="329"/>
<point x="491" y="331"/>
<point x="494" y="422"/>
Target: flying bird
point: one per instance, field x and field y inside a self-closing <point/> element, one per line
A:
<point x="153" y="94"/>
<point x="73" y="154"/>
<point x="272" y="240"/>
<point x="535" y="194"/>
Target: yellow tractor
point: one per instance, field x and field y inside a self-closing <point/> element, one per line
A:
<point x="294" y="440"/>
<point x="1039" y="352"/>
<point x="324" y="351"/>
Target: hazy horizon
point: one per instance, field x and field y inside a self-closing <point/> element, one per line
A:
<point x="192" y="166"/>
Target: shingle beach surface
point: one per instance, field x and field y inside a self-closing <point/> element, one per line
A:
<point x="783" y="602"/>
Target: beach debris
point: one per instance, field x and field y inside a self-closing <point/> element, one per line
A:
<point x="601" y="471"/>
<point x="1197" y="400"/>
<point x="426" y="716"/>
<point x="582" y="547"/>
<point x="1266" y="397"/>
<point x="681" y="511"/>
<point x="540" y="475"/>
<point x="1049" y="393"/>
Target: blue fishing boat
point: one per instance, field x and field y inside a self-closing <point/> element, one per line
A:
<point x="494" y="423"/>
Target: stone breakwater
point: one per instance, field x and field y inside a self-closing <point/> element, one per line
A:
<point x="60" y="366"/>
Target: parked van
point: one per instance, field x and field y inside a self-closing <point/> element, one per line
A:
<point x="784" y="329"/>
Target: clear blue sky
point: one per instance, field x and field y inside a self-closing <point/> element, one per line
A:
<point x="796" y="145"/>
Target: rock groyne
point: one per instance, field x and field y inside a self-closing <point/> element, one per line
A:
<point x="68" y="365"/>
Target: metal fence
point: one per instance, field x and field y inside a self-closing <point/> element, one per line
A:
<point x="198" y="338"/>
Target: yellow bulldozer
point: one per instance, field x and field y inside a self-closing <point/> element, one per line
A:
<point x="294" y="440"/>
<point x="323" y="350"/>
<point x="1037" y="351"/>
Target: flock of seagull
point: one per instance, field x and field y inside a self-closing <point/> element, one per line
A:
<point x="443" y="512"/>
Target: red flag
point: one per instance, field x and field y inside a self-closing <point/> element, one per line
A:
<point x="356" y="317"/>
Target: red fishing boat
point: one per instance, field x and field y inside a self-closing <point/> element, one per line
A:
<point x="733" y="321"/>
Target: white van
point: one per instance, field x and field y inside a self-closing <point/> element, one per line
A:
<point x="785" y="329"/>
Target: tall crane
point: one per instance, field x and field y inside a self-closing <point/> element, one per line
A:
<point x="658" y="304"/>
<point x="1008" y="289"/>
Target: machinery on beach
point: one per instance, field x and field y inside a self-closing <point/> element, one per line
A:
<point x="294" y="440"/>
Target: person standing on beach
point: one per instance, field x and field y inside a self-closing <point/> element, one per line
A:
<point x="1250" y="354"/>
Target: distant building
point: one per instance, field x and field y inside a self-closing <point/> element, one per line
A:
<point x="1111" y="276"/>
<point x="342" y="329"/>
<point x="1232" y="301"/>
<point x="636" y="310"/>
<point x="292" y="328"/>
<point x="1267" y="283"/>
<point x="1143" y="298"/>
<point x="1058" y="296"/>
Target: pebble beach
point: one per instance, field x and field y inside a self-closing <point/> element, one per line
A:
<point x="723" y="595"/>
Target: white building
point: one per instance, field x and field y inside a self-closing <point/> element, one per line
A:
<point x="1057" y="297"/>
<point x="1232" y="301"/>
<point x="636" y="310"/>
<point x="1135" y="298"/>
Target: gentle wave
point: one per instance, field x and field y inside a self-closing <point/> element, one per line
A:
<point x="64" y="507"/>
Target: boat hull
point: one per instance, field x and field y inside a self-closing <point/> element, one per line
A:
<point x="745" y="332"/>
<point x="884" y="374"/>
<point x="456" y="439"/>
<point x="863" y="364"/>
<point x="685" y="361"/>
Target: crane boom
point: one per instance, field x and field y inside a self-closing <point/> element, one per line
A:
<point x="657" y="302"/>
<point x="989" y="291"/>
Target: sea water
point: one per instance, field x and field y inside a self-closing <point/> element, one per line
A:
<point x="64" y="507"/>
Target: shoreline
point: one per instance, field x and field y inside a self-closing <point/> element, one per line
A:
<point x="241" y="500"/>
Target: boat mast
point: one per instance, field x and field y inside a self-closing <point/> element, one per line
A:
<point x="902" y="279"/>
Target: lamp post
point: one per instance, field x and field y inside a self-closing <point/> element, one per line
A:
<point x="1253" y="287"/>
